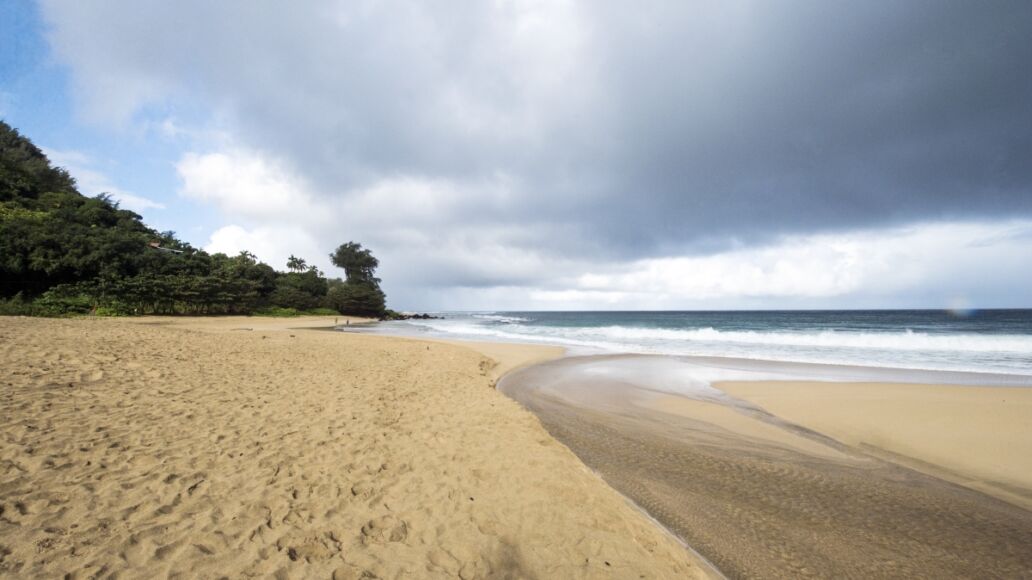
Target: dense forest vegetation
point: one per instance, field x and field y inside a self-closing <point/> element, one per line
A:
<point x="64" y="253"/>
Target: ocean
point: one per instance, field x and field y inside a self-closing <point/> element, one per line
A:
<point x="980" y="341"/>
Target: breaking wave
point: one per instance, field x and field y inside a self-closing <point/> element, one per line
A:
<point x="996" y="353"/>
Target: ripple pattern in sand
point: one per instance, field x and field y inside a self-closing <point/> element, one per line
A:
<point x="759" y="510"/>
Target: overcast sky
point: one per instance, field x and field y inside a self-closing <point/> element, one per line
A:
<point x="561" y="155"/>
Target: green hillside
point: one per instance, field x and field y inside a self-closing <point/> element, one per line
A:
<point x="65" y="253"/>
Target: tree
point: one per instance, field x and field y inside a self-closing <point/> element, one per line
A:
<point x="295" y="264"/>
<point x="357" y="299"/>
<point x="358" y="263"/>
<point x="360" y="294"/>
<point x="287" y="295"/>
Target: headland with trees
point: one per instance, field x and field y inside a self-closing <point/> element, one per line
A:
<point x="64" y="253"/>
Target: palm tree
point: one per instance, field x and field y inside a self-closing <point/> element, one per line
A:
<point x="295" y="264"/>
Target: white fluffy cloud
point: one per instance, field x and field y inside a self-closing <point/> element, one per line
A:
<point x="247" y="185"/>
<point x="945" y="261"/>
<point x="407" y="221"/>
<point x="271" y="244"/>
<point x="427" y="263"/>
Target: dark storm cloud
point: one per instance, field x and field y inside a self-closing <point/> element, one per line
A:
<point x="624" y="130"/>
<point x="812" y="117"/>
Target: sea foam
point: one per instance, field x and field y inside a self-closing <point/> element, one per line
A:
<point x="882" y="343"/>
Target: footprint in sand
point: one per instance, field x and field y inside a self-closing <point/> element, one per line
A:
<point x="384" y="529"/>
<point x="349" y="572"/>
<point x="310" y="547"/>
<point x="362" y="489"/>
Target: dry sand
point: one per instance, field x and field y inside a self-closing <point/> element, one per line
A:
<point x="980" y="437"/>
<point x="203" y="448"/>
<point x="764" y="498"/>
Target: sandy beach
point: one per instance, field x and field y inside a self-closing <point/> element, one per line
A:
<point x="675" y="290"/>
<point x="805" y="479"/>
<point x="977" y="436"/>
<point x="204" y="448"/>
<point x="209" y="447"/>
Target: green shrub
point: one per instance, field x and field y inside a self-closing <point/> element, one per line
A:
<point x="277" y="311"/>
<point x="17" y="306"/>
<point x="321" y="312"/>
<point x="356" y="299"/>
<point x="114" y="308"/>
<point x="60" y="300"/>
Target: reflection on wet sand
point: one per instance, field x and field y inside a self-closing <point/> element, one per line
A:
<point x="760" y="497"/>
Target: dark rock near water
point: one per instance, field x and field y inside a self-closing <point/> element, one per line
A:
<point x="402" y="316"/>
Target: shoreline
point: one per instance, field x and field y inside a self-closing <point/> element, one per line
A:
<point x="776" y="369"/>
<point x="672" y="452"/>
<point x="954" y="392"/>
<point x="983" y="415"/>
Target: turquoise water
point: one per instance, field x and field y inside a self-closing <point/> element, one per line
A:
<point x="985" y="341"/>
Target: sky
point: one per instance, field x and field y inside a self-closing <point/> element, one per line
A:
<point x="560" y="155"/>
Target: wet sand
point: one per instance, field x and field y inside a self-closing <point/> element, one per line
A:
<point x="253" y="447"/>
<point x="764" y="497"/>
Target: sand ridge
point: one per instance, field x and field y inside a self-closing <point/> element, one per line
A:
<point x="196" y="448"/>
<point x="978" y="436"/>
